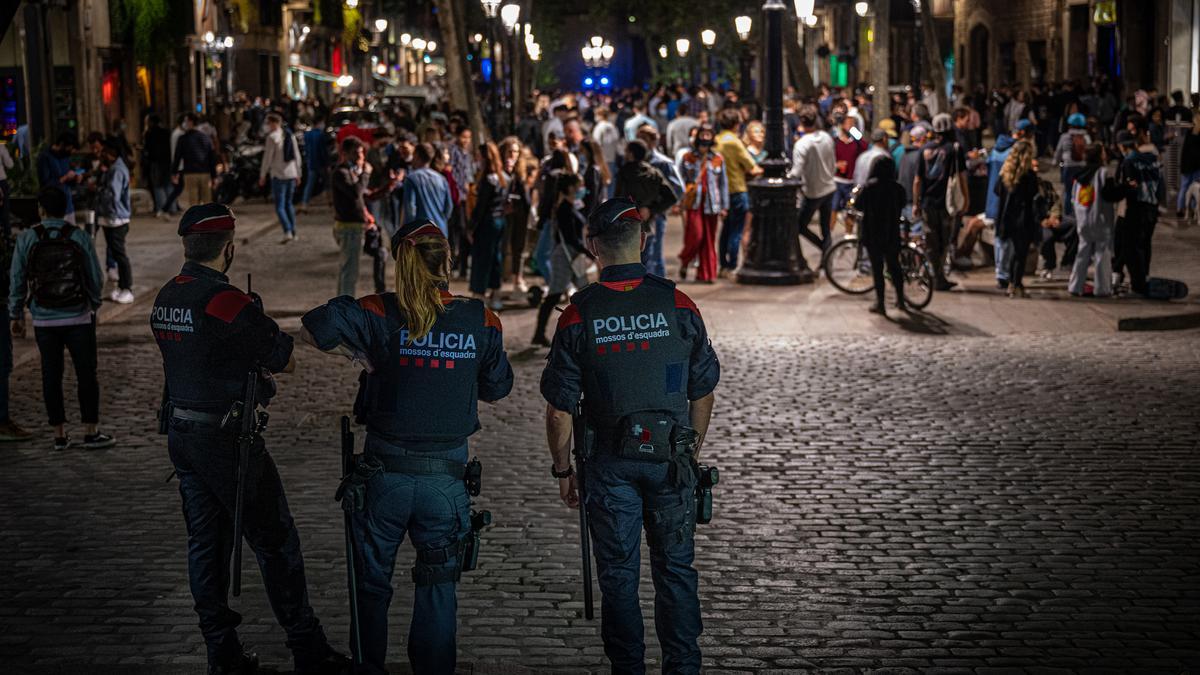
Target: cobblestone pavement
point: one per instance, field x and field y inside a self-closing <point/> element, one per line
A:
<point x="898" y="503"/>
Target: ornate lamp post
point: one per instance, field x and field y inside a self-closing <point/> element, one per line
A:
<point x="510" y="17"/>
<point x="773" y="255"/>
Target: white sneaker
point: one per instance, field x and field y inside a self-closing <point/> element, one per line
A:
<point x="113" y="275"/>
<point x="123" y="296"/>
<point x="288" y="237"/>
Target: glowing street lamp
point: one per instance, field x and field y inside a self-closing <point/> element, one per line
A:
<point x="419" y="44"/>
<point x="810" y="20"/>
<point x="405" y="39"/>
<point x="804" y="8"/>
<point x="742" y="24"/>
<point x="708" y="38"/>
<point x="431" y="46"/>
<point x="597" y="41"/>
<point x="860" y="8"/>
<point x="345" y="81"/>
<point x="663" y="52"/>
<point x="381" y="25"/>
<point x="510" y="14"/>
<point x="352" y="4"/>
<point x="490" y="7"/>
<point x="682" y="45"/>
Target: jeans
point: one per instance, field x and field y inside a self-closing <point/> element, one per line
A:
<point x="6" y="362"/>
<point x="114" y="248"/>
<point x="731" y="230"/>
<point x="80" y="340"/>
<point x="652" y="255"/>
<point x="283" y="189"/>
<point x="1003" y="252"/>
<point x="312" y="179"/>
<point x="1066" y="233"/>
<point x="937" y="237"/>
<point x="612" y="184"/>
<point x="1185" y="181"/>
<point x="205" y="460"/>
<point x="545" y="242"/>
<point x="434" y="511"/>
<point x="349" y="240"/>
<point x="487" y="254"/>
<point x="622" y="498"/>
<point x="824" y="207"/>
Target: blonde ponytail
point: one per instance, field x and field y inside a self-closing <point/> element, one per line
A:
<point x="422" y="265"/>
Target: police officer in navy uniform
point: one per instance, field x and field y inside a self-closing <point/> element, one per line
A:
<point x="211" y="335"/>
<point x="428" y="358"/>
<point x="636" y="349"/>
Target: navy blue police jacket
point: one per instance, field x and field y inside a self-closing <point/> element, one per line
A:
<point x="210" y="335"/>
<point x="630" y="342"/>
<point x="420" y="394"/>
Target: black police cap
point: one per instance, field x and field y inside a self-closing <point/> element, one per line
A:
<point x="413" y="229"/>
<point x="610" y="213"/>
<point x="203" y="218"/>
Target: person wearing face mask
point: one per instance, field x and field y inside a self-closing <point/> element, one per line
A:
<point x="211" y="335"/>
<point x="54" y="169"/>
<point x="705" y="198"/>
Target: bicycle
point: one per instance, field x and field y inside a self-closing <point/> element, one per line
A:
<point x="848" y="267"/>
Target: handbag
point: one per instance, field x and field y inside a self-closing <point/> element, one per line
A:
<point x="955" y="203"/>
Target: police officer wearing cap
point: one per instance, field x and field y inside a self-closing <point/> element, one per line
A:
<point x="211" y="335"/>
<point x="428" y="357"/>
<point x="636" y="349"/>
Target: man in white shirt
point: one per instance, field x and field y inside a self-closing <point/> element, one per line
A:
<point x="862" y="168"/>
<point x="692" y="114"/>
<point x="610" y="141"/>
<point x="281" y="163"/>
<point x="814" y="163"/>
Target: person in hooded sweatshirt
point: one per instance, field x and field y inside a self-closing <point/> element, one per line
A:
<point x="881" y="200"/>
<point x="1094" y="196"/>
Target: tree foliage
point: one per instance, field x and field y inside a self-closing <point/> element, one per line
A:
<point x="154" y="28"/>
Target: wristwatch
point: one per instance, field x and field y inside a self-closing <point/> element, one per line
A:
<point x="570" y="471"/>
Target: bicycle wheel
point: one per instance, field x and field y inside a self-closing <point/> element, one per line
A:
<point x="847" y="267"/>
<point x="918" y="277"/>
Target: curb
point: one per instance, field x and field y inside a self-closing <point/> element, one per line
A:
<point x="1181" y="321"/>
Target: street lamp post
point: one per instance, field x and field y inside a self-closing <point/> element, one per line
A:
<point x="773" y="254"/>
<point x="743" y="24"/>
<point x="708" y="38"/>
<point x="510" y="17"/>
<point x="682" y="45"/>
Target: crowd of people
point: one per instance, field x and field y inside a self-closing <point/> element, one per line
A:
<point x="513" y="209"/>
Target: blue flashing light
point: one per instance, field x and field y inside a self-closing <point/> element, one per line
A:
<point x="604" y="82"/>
<point x="587" y="81"/>
<point x="485" y="69"/>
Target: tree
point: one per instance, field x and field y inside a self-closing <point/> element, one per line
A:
<point x="880" y="46"/>
<point x="933" y="54"/>
<point x="452" y="22"/>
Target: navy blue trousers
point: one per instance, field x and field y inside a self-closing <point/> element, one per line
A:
<point x="206" y="461"/>
<point x="622" y="498"/>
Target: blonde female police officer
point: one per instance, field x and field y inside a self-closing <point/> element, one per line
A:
<point x="636" y="348"/>
<point x="429" y="357"/>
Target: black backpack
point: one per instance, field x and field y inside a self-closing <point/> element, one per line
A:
<point x="57" y="270"/>
<point x="289" y="145"/>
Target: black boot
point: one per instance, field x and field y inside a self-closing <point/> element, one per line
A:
<point x="333" y="664"/>
<point x="248" y="665"/>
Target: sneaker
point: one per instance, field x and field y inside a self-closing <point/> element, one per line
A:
<point x="97" y="441"/>
<point x="123" y="296"/>
<point x="1048" y="275"/>
<point x="112" y="274"/>
<point x="9" y="431"/>
<point x="61" y="444"/>
<point x="288" y="237"/>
